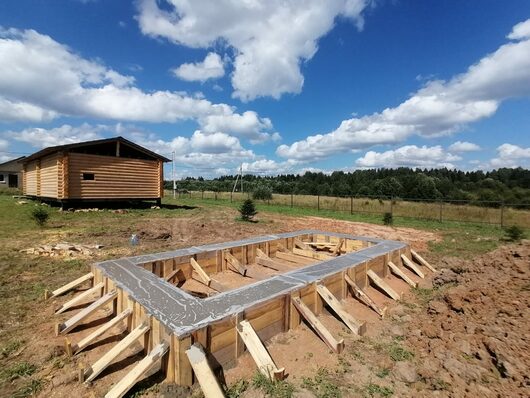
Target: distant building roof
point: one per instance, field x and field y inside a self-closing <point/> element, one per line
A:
<point x="67" y="147"/>
<point x="17" y="160"/>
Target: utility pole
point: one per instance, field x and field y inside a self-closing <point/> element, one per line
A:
<point x="173" y="174"/>
<point x="241" y="174"/>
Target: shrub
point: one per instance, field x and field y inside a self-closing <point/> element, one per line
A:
<point x="248" y="210"/>
<point x="514" y="233"/>
<point x="262" y="192"/>
<point x="388" y="219"/>
<point x="40" y="215"/>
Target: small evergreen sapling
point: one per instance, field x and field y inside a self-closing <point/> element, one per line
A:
<point x="248" y="210"/>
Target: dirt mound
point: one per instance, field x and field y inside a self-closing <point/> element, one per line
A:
<point x="474" y="339"/>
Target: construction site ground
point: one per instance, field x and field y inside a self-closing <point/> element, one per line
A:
<point x="464" y="332"/>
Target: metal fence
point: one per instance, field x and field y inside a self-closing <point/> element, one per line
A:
<point x="484" y="212"/>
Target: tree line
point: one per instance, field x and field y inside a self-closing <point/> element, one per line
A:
<point x="503" y="185"/>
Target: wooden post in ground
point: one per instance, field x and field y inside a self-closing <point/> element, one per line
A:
<point x="379" y="282"/>
<point x="397" y="271"/>
<point x="203" y="372"/>
<point x="412" y="266"/>
<point x="353" y="324"/>
<point x="422" y="261"/>
<point x="361" y="295"/>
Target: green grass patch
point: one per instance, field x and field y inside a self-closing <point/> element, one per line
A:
<point x="11" y="347"/>
<point x="375" y="390"/>
<point x="273" y="388"/>
<point x="322" y="385"/>
<point x="17" y="370"/>
<point x="29" y="389"/>
<point x="237" y="389"/>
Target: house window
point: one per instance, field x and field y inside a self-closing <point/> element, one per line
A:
<point x="2" y="179"/>
<point x="89" y="177"/>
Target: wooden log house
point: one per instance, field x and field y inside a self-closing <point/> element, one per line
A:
<point x="113" y="169"/>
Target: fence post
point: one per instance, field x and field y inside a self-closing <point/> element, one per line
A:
<point x="318" y="202"/>
<point x="291" y="199"/>
<point x="351" y="205"/>
<point x="215" y="195"/>
<point x="392" y="206"/>
<point x="231" y="197"/>
<point x="441" y="210"/>
<point x="202" y="194"/>
<point x="502" y="215"/>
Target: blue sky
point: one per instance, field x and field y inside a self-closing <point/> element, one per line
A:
<point x="279" y="86"/>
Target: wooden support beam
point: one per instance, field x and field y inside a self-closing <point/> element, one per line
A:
<point x="269" y="263"/>
<point x="422" y="261"/>
<point x="318" y="327"/>
<point x="336" y="249"/>
<point x="302" y="245"/>
<point x="312" y="254"/>
<point x="141" y="368"/>
<point x="353" y="324"/>
<point x="171" y="275"/>
<point x="203" y="372"/>
<point x="71" y="323"/>
<point x="258" y="351"/>
<point x="217" y="286"/>
<point x="89" y="374"/>
<point x="69" y="286"/>
<point x="234" y="263"/>
<point x="361" y="295"/>
<point x="80" y="298"/>
<point x="256" y="273"/>
<point x="409" y="264"/>
<point x="397" y="271"/>
<point x="293" y="258"/>
<point x="74" y="349"/>
<point x="383" y="285"/>
<point x="202" y="274"/>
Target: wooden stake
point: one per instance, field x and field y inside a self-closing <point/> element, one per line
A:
<point x="396" y="270"/>
<point x="412" y="266"/>
<point x="302" y="245"/>
<point x="234" y="263"/>
<point x="422" y="261"/>
<point x="84" y="343"/>
<point x="383" y="285"/>
<point x="353" y="324"/>
<point x="78" y="318"/>
<point x="318" y="327"/>
<point x="69" y="286"/>
<point x="203" y="372"/>
<point x="361" y="295"/>
<point x="217" y="286"/>
<point x="258" y="351"/>
<point x="141" y="368"/>
<point x="203" y="275"/>
<point x="172" y="275"/>
<point x="102" y="363"/>
<point x="80" y="298"/>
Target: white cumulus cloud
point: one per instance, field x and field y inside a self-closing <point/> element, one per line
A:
<point x="463" y="146"/>
<point x="439" y="108"/>
<point x="65" y="134"/>
<point x="211" y="68"/>
<point x="510" y="155"/>
<point x="271" y="38"/>
<point x="408" y="156"/>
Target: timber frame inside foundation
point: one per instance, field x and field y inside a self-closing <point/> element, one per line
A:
<point x="177" y="326"/>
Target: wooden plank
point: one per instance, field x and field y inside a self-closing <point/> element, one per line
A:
<point x="269" y="263"/>
<point x="293" y="258"/>
<point x="353" y="324"/>
<point x="102" y="363"/>
<point x="77" y="318"/>
<point x="80" y="298"/>
<point x="141" y="368"/>
<point x="311" y="254"/>
<point x="172" y="275"/>
<point x="302" y="245"/>
<point x="69" y="286"/>
<point x="336" y="249"/>
<point x="383" y="285"/>
<point x="203" y="275"/>
<point x="318" y="327"/>
<point x="397" y="271"/>
<point x="184" y="371"/>
<point x="361" y="295"/>
<point x="74" y="349"/>
<point x="258" y="351"/>
<point x="217" y="286"/>
<point x="203" y="372"/>
<point x="422" y="261"/>
<point x="234" y="263"/>
<point x="409" y="264"/>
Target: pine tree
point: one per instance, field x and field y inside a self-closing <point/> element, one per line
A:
<point x="248" y="210"/>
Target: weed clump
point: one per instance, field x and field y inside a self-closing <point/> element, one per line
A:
<point x="514" y="233"/>
<point x="40" y="215"/>
<point x="248" y="210"/>
<point x="388" y="219"/>
<point x="262" y="192"/>
<point x="321" y="385"/>
<point x="272" y="388"/>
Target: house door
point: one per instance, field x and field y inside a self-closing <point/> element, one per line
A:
<point x="12" y="181"/>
